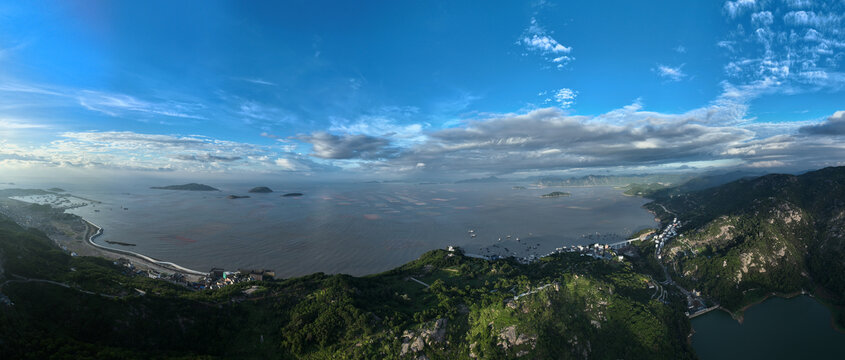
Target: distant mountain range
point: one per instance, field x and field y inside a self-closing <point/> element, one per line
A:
<point x="614" y="180"/>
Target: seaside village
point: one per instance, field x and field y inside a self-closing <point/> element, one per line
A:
<point x="696" y="305"/>
<point x="215" y="279"/>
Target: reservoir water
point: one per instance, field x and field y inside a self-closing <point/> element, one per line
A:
<point x="797" y="328"/>
<point x="353" y="228"/>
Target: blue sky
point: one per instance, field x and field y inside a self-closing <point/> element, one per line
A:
<point x="418" y="89"/>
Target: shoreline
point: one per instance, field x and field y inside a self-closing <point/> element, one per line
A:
<point x="739" y="314"/>
<point x="148" y="260"/>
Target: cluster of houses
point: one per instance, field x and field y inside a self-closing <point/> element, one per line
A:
<point x="218" y="278"/>
<point x="661" y="239"/>
<point x="598" y="251"/>
<point x="215" y="279"/>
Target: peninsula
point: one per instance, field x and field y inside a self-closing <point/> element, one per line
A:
<point x="186" y="187"/>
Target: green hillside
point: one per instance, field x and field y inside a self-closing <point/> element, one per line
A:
<point x="749" y="238"/>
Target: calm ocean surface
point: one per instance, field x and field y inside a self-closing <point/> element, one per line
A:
<point x="797" y="328"/>
<point x="353" y="228"/>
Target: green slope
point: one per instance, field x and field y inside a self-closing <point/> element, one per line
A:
<point x="749" y="238"/>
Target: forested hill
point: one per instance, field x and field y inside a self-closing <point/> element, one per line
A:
<point x="750" y="237"/>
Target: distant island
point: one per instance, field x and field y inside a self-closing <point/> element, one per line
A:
<point x="55" y="189"/>
<point x="519" y="187"/>
<point x="188" y="187"/>
<point x="292" y="194"/>
<point x="261" y="189"/>
<point x="555" y="194"/>
<point x="236" y="197"/>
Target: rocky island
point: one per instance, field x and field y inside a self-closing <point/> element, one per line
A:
<point x="186" y="187"/>
<point x="237" y="197"/>
<point x="555" y="194"/>
<point x="261" y="190"/>
<point x="292" y="194"/>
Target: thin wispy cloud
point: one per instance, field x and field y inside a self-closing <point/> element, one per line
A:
<point x="257" y="81"/>
<point x="117" y="104"/>
<point x="15" y="124"/>
<point x="671" y="73"/>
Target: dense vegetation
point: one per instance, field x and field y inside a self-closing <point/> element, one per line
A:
<point x="573" y="306"/>
<point x="751" y="237"/>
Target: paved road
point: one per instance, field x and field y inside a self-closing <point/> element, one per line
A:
<point x="420" y="282"/>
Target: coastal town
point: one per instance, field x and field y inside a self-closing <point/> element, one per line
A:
<point x="696" y="304"/>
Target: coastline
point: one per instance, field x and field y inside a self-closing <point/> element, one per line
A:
<point x="150" y="262"/>
<point x="739" y="314"/>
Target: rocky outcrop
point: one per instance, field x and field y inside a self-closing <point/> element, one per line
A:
<point x="433" y="335"/>
<point x="510" y="338"/>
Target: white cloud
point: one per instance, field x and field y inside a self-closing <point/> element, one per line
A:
<point x="535" y="39"/>
<point x="544" y="44"/>
<point x="767" y="164"/>
<point x="798" y="4"/>
<point x="565" y="97"/>
<point x="762" y="18"/>
<point x="288" y="164"/>
<point x="802" y="54"/>
<point x="150" y="152"/>
<point x="736" y="8"/>
<point x="810" y="18"/>
<point x="671" y="73"/>
<point x="400" y="124"/>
